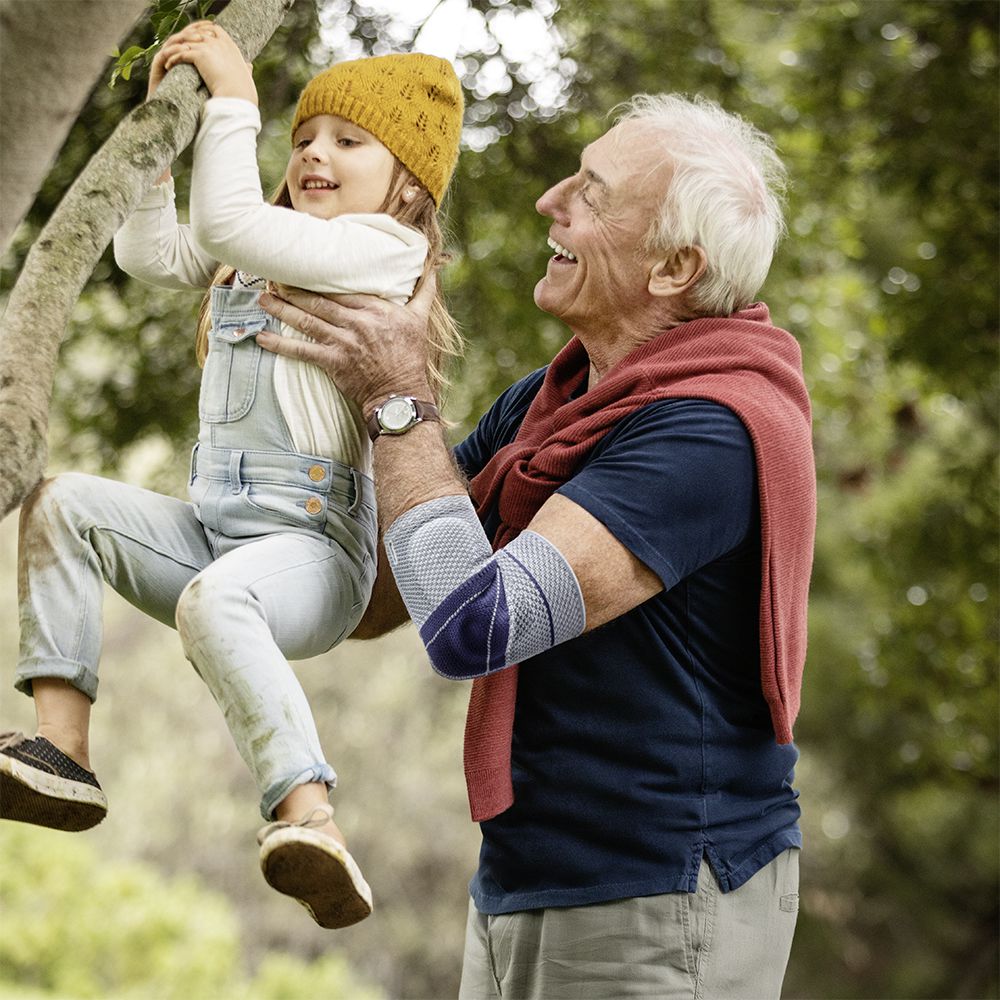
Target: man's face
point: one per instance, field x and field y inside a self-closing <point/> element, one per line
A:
<point x="600" y="215"/>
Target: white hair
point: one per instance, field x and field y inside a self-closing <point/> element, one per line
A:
<point x="725" y="195"/>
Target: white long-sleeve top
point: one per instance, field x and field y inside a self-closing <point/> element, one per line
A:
<point x="232" y="223"/>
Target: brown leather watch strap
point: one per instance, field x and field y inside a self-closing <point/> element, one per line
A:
<point x="422" y="411"/>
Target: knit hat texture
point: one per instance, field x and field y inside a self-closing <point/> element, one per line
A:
<point x="410" y="102"/>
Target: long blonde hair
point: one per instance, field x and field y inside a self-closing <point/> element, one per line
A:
<point x="443" y="335"/>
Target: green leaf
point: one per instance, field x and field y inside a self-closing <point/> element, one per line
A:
<point x="168" y="25"/>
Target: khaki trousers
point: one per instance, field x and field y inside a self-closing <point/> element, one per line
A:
<point x="707" y="945"/>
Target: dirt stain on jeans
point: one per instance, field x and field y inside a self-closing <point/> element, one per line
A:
<point x="35" y="529"/>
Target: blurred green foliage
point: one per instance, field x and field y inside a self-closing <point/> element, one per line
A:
<point x="171" y="939"/>
<point x="886" y="114"/>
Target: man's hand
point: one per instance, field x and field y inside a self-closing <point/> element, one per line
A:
<point x="214" y="54"/>
<point x="370" y="347"/>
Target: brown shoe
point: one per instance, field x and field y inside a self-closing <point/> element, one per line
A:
<point x="39" y="784"/>
<point x="312" y="867"/>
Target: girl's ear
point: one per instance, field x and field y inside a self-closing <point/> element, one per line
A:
<point x="410" y="192"/>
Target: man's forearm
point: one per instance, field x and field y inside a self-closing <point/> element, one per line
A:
<point x="411" y="469"/>
<point x="477" y="611"/>
<point x="386" y="610"/>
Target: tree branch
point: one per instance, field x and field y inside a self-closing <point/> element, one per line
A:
<point x="44" y="82"/>
<point x="63" y="257"/>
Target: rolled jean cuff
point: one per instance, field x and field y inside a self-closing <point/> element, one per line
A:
<point x="37" y="668"/>
<point x="280" y="789"/>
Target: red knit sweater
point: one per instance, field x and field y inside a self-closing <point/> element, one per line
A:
<point x="741" y="361"/>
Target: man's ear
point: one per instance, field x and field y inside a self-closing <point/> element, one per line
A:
<point x="678" y="273"/>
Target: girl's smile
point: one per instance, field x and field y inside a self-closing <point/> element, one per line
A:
<point x="311" y="182"/>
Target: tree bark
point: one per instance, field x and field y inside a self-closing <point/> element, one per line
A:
<point x="51" y="52"/>
<point x="58" y="265"/>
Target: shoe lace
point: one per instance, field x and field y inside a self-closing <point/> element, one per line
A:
<point x="316" y="817"/>
<point x="11" y="739"/>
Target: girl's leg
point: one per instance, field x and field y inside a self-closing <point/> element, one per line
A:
<point x="76" y="532"/>
<point x="63" y="715"/>
<point x="303" y="800"/>
<point x="280" y="597"/>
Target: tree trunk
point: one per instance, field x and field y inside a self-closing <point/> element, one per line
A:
<point x="51" y="52"/>
<point x="64" y="256"/>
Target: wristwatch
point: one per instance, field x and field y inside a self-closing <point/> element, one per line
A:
<point x="398" y="414"/>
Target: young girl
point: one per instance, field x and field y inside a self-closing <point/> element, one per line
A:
<point x="274" y="558"/>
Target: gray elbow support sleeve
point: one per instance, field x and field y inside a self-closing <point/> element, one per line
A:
<point x="478" y="610"/>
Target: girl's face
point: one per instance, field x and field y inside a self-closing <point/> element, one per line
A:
<point x="337" y="167"/>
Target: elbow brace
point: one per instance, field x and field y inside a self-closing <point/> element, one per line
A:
<point x="477" y="610"/>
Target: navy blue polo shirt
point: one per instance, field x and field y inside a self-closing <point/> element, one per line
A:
<point x="646" y="744"/>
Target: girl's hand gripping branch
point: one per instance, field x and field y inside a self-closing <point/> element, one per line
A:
<point x="214" y="54"/>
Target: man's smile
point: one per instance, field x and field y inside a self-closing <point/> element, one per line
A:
<point x="561" y="251"/>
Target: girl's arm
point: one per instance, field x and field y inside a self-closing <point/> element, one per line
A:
<point x="153" y="247"/>
<point x="232" y="221"/>
<point x="230" y="218"/>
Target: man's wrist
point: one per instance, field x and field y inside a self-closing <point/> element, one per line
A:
<point x="399" y="414"/>
<point x="376" y="399"/>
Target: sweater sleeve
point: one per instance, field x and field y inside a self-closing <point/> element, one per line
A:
<point x="153" y="247"/>
<point x="372" y="253"/>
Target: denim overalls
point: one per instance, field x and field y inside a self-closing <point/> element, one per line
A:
<point x="246" y="477"/>
<point x="274" y="559"/>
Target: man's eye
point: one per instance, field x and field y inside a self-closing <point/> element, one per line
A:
<point x="586" y="200"/>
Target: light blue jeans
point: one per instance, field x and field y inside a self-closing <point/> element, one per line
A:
<point x="273" y="560"/>
<point x="243" y="608"/>
<point x="705" y="945"/>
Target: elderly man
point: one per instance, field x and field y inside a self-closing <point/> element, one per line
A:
<point x="639" y="541"/>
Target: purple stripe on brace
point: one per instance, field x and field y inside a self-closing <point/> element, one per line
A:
<point x="466" y="634"/>
<point x="541" y="593"/>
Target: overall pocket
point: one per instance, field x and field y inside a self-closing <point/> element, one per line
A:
<point x="229" y="381"/>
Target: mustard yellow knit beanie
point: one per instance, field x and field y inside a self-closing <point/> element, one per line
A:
<point x="411" y="103"/>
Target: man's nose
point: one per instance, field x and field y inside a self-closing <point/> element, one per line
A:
<point x="553" y="203"/>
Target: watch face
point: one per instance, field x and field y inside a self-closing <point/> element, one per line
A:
<point x="396" y="414"/>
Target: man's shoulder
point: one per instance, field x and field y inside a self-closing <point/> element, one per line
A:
<point x="523" y="391"/>
<point x="499" y="425"/>
<point x="681" y="417"/>
<point x="509" y="408"/>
